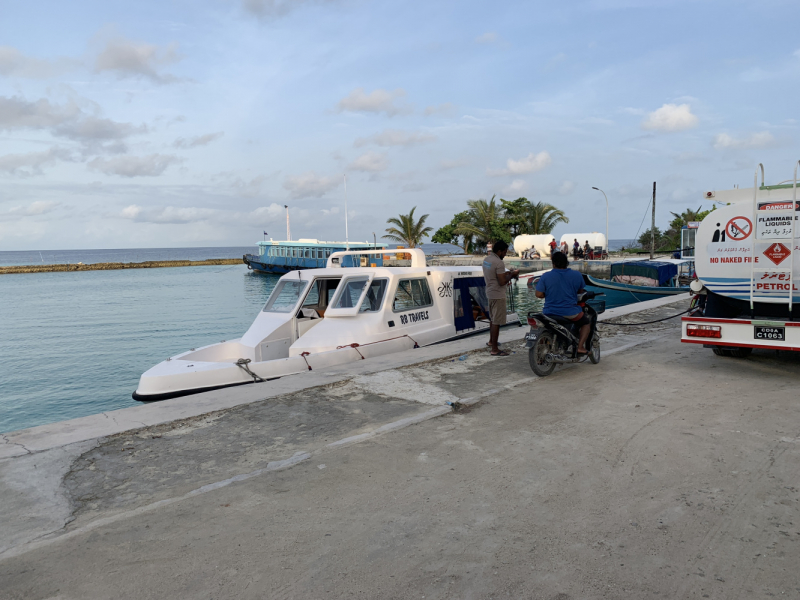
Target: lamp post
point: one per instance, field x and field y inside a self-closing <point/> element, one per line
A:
<point x="606" y="197"/>
<point x="374" y="240"/>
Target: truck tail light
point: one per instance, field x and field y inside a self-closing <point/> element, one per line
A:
<point x="704" y="331"/>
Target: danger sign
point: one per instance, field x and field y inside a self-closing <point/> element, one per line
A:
<point x="777" y="253"/>
<point x="739" y="228"/>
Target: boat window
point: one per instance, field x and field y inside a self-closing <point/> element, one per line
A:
<point x="348" y="296"/>
<point x="412" y="293"/>
<point x="285" y="296"/>
<point x="374" y="298"/>
<point x="312" y="299"/>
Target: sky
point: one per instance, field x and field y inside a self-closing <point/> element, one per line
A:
<point x="193" y="123"/>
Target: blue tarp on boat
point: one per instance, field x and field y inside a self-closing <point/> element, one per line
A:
<point x="660" y="271"/>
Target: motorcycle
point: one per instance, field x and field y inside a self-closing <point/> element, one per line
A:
<point x="554" y="340"/>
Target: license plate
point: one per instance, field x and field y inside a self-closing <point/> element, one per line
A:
<point x="530" y="338"/>
<point x="774" y="334"/>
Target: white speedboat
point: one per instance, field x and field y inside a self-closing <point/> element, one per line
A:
<point x="318" y="318"/>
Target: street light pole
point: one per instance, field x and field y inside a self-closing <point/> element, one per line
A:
<point x="606" y="197"/>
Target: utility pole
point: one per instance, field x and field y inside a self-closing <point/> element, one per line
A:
<point x="653" y="225"/>
<point x="288" y="233"/>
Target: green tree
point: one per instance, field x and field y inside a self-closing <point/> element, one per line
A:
<point x="408" y="231"/>
<point x="543" y="217"/>
<point x="515" y="215"/>
<point x="485" y="222"/>
<point x="449" y="235"/>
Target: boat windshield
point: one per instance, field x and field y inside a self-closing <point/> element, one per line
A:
<point x="285" y="296"/>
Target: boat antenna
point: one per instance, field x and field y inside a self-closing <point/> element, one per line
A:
<point x="288" y="232"/>
<point x="346" y="234"/>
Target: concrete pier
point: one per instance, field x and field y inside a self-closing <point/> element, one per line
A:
<point x="664" y="471"/>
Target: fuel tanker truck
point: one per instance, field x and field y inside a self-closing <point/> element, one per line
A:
<point x="746" y="274"/>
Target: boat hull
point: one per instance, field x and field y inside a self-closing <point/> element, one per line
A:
<point x="622" y="294"/>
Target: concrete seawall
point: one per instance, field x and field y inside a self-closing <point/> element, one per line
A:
<point x="154" y="264"/>
<point x="664" y="471"/>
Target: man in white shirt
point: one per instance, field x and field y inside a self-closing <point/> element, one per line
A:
<point x="497" y="278"/>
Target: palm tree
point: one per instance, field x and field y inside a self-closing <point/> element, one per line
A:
<point x="408" y="231"/>
<point x="543" y="217"/>
<point x="485" y="222"/>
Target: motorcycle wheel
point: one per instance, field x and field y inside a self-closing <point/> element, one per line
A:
<point x="536" y="355"/>
<point x="594" y="355"/>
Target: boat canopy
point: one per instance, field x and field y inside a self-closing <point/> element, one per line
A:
<point x="653" y="269"/>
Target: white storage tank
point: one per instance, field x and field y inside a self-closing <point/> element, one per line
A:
<point x="540" y="242"/>
<point x="595" y="240"/>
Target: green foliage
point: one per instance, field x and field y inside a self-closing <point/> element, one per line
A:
<point x="492" y="220"/>
<point x="671" y="238"/>
<point x="449" y="235"/>
<point x="543" y="217"/>
<point x="408" y="231"/>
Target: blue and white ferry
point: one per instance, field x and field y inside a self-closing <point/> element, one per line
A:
<point x="281" y="257"/>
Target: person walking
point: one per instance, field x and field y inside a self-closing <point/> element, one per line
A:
<point x="497" y="278"/>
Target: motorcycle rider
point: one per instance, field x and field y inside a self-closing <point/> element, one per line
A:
<point x="560" y="288"/>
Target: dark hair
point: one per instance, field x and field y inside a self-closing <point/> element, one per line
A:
<point x="499" y="246"/>
<point x="560" y="260"/>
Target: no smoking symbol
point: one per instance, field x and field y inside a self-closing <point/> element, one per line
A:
<point x="739" y="228"/>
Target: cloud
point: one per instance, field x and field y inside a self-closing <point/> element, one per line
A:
<point x="271" y="212"/>
<point x="200" y="140"/>
<point x="15" y="64"/>
<point x="127" y="58"/>
<point x="670" y="117"/>
<point x="446" y="165"/>
<point x="395" y="137"/>
<point x="489" y="37"/>
<point x="151" y="165"/>
<point x="310" y="184"/>
<point x="529" y="164"/>
<point x="371" y="162"/>
<point x="35" y="209"/>
<point x="565" y="188"/>
<point x="64" y="120"/>
<point x="264" y="9"/>
<point x="377" y="101"/>
<point x="251" y="188"/>
<point x="446" y="110"/>
<point x="167" y="214"/>
<point x="31" y="163"/>
<point x="515" y="187"/>
<point x="763" y="139"/>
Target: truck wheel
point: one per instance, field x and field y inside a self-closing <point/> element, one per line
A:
<point x="537" y="355"/>
<point x="721" y="351"/>
<point x="740" y="352"/>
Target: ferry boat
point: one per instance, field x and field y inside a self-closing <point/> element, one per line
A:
<point x="318" y="318"/>
<point x="282" y="257"/>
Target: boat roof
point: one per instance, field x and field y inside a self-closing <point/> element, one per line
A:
<point x="313" y="242"/>
<point x="306" y="274"/>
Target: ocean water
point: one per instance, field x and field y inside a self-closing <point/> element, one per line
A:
<point x="124" y="255"/>
<point x="75" y="344"/>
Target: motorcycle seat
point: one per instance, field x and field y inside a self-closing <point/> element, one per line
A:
<point x="557" y="319"/>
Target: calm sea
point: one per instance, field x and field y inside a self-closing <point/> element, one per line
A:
<point x="75" y="344"/>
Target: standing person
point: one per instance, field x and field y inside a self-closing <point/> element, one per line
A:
<point x="587" y="249"/>
<point x="575" y="247"/>
<point x="560" y="288"/>
<point x="553" y="245"/>
<point x="497" y="278"/>
<point x="564" y="248"/>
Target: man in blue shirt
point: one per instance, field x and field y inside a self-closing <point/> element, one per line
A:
<point x="560" y="288"/>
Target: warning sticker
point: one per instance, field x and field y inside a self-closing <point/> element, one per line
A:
<point x="770" y="225"/>
<point x="782" y="205"/>
<point x="777" y="253"/>
<point x="738" y="229"/>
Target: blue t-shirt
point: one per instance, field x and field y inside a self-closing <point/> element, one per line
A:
<point x="560" y="288"/>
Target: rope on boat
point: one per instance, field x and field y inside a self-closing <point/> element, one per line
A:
<point x="242" y="364"/>
<point x="304" y="354"/>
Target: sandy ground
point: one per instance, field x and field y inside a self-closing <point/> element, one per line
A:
<point x="662" y="472"/>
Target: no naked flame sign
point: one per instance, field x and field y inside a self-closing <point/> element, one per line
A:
<point x="777" y="253"/>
